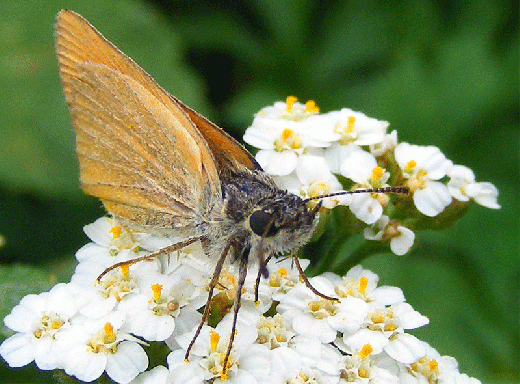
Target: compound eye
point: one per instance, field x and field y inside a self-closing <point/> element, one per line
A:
<point x="259" y="221"/>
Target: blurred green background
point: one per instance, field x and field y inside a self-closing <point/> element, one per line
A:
<point x="444" y="73"/>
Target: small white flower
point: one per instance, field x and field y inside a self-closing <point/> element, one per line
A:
<point x="401" y="238"/>
<point x="281" y="134"/>
<point x="349" y="126"/>
<point x="422" y="166"/>
<point x="39" y="319"/>
<point x="286" y="358"/>
<point x="313" y="178"/>
<point x="100" y="298"/>
<point x="109" y="233"/>
<point x="152" y="313"/>
<point x="90" y="347"/>
<point x="388" y="144"/>
<point x="361" y="367"/>
<point x="247" y="363"/>
<point x="336" y="154"/>
<point x="283" y="276"/>
<point x="313" y="315"/>
<point x="432" y="367"/>
<point x="291" y="109"/>
<point x="463" y="187"/>
<point x="362" y="284"/>
<point x="361" y="167"/>
<point x="383" y="329"/>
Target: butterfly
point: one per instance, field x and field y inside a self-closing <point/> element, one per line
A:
<point x="160" y="167"/>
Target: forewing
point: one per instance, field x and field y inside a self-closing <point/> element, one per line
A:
<point x="230" y="155"/>
<point x="138" y="150"/>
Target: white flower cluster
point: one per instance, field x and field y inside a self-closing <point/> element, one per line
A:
<point x="290" y="335"/>
<point x="305" y="151"/>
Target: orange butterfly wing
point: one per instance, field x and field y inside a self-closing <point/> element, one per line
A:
<point x="230" y="155"/>
<point x="138" y="149"/>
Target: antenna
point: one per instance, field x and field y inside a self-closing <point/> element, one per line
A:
<point x="400" y="190"/>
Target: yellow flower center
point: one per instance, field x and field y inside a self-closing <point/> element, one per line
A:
<point x="116" y="231"/>
<point x="121" y="238"/>
<point x="125" y="269"/>
<point x="103" y="341"/>
<point x="426" y="367"/>
<point x="418" y="181"/>
<point x="410" y="165"/>
<point x="363" y="282"/>
<point x="290" y="100"/>
<point x="156" y="288"/>
<point x="366" y="350"/>
<point x="319" y="188"/>
<point x="346" y="130"/>
<point x="311" y="107"/>
<point x="110" y="336"/>
<point x="322" y="308"/>
<point x="214" y="338"/>
<point x="377" y="173"/>
<point x="288" y="140"/>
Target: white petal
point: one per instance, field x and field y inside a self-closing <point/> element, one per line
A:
<point x="311" y="169"/>
<point x="358" y="340"/>
<point x="47" y="356"/>
<point x="150" y="326"/>
<point x="456" y="190"/>
<point x="410" y="318"/>
<point x="307" y="325"/>
<point x="351" y="313"/>
<point x="358" y="166"/>
<point x="129" y="360"/>
<point x="382" y="376"/>
<point x="484" y="193"/>
<point x="184" y="372"/>
<point x="403" y="155"/>
<point x="285" y="362"/>
<point x="256" y="361"/>
<point x="366" y="208"/>
<point x="432" y="199"/>
<point x="260" y="138"/>
<point x="86" y="366"/>
<point x="403" y="242"/>
<point x="434" y="162"/>
<point x="289" y="182"/>
<point x="336" y="154"/>
<point x="157" y="375"/>
<point x="92" y="252"/>
<point x="277" y="163"/>
<point x="22" y="317"/>
<point x="240" y="377"/>
<point x="321" y="127"/>
<point x="98" y="231"/>
<point x="405" y="348"/>
<point x="387" y="295"/>
<point x="18" y="350"/>
<point x="461" y="172"/>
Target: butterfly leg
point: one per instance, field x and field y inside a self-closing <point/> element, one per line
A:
<point x="262" y="271"/>
<point x="212" y="284"/>
<point x="153" y="255"/>
<point x="294" y="255"/>
<point x="241" y="280"/>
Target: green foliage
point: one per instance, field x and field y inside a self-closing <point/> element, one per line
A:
<point x="442" y="73"/>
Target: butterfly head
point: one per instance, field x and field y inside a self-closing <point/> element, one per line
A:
<point x="284" y="222"/>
